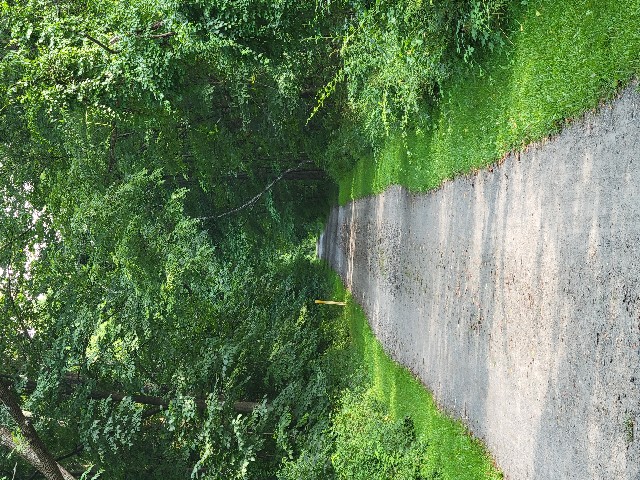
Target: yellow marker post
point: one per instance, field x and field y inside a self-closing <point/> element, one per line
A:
<point x="331" y="302"/>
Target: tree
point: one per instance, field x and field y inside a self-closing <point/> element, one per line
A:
<point x="29" y="447"/>
<point x="123" y="124"/>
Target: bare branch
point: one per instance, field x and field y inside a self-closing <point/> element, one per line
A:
<point x="258" y="196"/>
<point x="100" y="44"/>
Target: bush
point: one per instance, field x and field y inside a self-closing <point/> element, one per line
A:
<point x="397" y="54"/>
<point x="369" y="445"/>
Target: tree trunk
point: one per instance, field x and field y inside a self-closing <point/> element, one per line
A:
<point x="30" y="456"/>
<point x="71" y="381"/>
<point x="31" y="449"/>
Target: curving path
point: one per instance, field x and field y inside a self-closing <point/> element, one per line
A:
<point x="514" y="294"/>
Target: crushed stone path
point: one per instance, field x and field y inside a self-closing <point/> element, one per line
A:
<point x="514" y="295"/>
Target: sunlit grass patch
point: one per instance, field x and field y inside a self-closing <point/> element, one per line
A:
<point x="446" y="448"/>
<point x="559" y="60"/>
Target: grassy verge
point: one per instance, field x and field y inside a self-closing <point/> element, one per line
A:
<point x="560" y="60"/>
<point x="445" y="449"/>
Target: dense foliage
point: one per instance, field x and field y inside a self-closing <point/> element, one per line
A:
<point x="363" y="442"/>
<point x="372" y="446"/>
<point x="161" y="186"/>
<point x="397" y="54"/>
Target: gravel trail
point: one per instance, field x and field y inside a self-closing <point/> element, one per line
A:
<point x="514" y="294"/>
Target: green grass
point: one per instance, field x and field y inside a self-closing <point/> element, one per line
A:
<point x="459" y="455"/>
<point x="560" y="60"/>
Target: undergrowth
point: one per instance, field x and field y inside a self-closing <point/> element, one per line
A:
<point x="397" y="53"/>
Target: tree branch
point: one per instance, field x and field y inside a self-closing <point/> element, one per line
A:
<point x="77" y="451"/>
<point x="163" y="35"/>
<point x="70" y="382"/>
<point x="163" y="403"/>
<point x="257" y="197"/>
<point x="100" y="44"/>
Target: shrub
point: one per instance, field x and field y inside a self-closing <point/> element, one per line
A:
<point x="369" y="445"/>
<point x="397" y="54"/>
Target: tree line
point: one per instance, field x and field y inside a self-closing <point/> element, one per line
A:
<point x="165" y="166"/>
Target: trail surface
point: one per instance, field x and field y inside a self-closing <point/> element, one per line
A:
<point x="514" y="294"/>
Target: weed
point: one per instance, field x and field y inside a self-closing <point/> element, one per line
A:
<point x="629" y="425"/>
